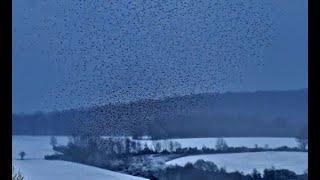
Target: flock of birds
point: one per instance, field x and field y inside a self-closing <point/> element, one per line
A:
<point x="123" y="51"/>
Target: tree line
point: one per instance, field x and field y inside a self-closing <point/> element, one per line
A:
<point x="275" y="114"/>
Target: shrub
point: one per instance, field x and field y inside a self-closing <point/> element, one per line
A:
<point x="256" y="175"/>
<point x="54" y="157"/>
<point x="279" y="174"/>
<point x="206" y="166"/>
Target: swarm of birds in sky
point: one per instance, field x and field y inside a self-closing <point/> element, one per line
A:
<point x="123" y="51"/>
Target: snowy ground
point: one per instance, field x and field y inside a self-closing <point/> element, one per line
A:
<point x="36" y="169"/>
<point x="246" y="162"/>
<point x="234" y="142"/>
<point x="36" y="147"/>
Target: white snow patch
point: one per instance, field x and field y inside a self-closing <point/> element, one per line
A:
<point x="37" y="169"/>
<point x="246" y="162"/>
<point x="35" y="147"/>
<point x="34" y="167"/>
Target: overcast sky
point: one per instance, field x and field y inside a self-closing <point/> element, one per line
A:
<point x="35" y="77"/>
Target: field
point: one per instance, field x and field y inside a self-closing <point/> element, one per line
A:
<point x="246" y="162"/>
<point x="36" y="147"/>
<point x="34" y="167"/>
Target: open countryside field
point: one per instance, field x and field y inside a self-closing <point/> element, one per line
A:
<point x="36" y="147"/>
<point x="34" y="167"/>
<point x="37" y="169"/>
<point x="246" y="162"/>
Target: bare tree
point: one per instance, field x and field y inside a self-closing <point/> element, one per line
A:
<point x="171" y="146"/>
<point x="119" y="146"/>
<point x="127" y="144"/>
<point x="302" y="139"/>
<point x="146" y="146"/>
<point x="166" y="144"/>
<point x="139" y="146"/>
<point x="53" y="141"/>
<point x="176" y="145"/>
<point x="302" y="143"/>
<point x="22" y="154"/>
<point x="158" y="147"/>
<point x="133" y="146"/>
<point x="110" y="146"/>
<point x="221" y="144"/>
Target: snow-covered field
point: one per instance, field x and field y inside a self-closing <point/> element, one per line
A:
<point x="36" y="147"/>
<point x="246" y="162"/>
<point x="234" y="142"/>
<point x="34" y="167"/>
<point x="39" y="146"/>
<point x="37" y="169"/>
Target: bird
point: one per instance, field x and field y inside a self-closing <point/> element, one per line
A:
<point x="113" y="53"/>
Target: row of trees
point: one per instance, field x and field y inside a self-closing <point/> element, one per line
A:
<point x="206" y="170"/>
<point x="84" y="147"/>
<point x="127" y="145"/>
<point x="116" y="145"/>
<point x="130" y="156"/>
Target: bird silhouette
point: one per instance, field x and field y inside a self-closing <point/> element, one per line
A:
<point x="116" y="52"/>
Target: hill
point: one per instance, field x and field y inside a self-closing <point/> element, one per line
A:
<point x="262" y="113"/>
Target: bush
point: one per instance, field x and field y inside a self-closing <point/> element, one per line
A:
<point x="256" y="175"/>
<point x="279" y="174"/>
<point x="206" y="166"/>
<point x="54" y="157"/>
